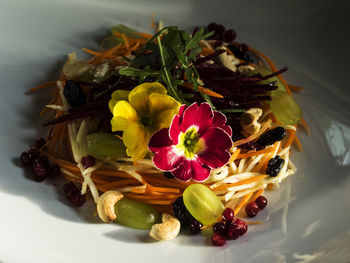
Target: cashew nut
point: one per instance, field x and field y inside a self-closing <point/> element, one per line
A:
<point x="105" y="205"/>
<point x="249" y="120"/>
<point x="227" y="60"/>
<point x="168" y="229"/>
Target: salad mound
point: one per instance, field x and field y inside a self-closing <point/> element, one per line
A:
<point x="170" y="131"/>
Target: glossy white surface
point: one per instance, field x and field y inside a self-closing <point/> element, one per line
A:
<point x="307" y="219"/>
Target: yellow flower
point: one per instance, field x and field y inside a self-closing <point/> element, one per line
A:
<point x="139" y="113"/>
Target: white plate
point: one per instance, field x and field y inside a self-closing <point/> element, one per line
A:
<point x="307" y="219"/>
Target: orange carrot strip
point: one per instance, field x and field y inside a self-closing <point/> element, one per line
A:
<point x="153" y="25"/>
<point x="252" y="137"/>
<point x="144" y="35"/>
<point x="203" y="90"/>
<point x="257" y="194"/>
<point x="253" y="223"/>
<point x="295" y="88"/>
<point x="162" y="189"/>
<point x="306" y="126"/>
<point x="255" y="153"/>
<point x="44" y="85"/>
<point x="290" y="138"/>
<point x="242" y="203"/>
<point x="126" y="41"/>
<point x="298" y="143"/>
<point x="234" y="155"/>
<point x="206" y="51"/>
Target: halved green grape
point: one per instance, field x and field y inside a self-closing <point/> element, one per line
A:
<point x="105" y="145"/>
<point x="202" y="203"/>
<point x="284" y="108"/>
<point x="264" y="71"/>
<point x="135" y="214"/>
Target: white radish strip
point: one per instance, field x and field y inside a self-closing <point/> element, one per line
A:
<point x="243" y="193"/>
<point x="284" y="151"/>
<point x="137" y="176"/>
<point x="242" y="187"/>
<point x="254" y="162"/>
<point x="232" y="203"/>
<point x="241" y="165"/>
<point x="287" y="127"/>
<point x="57" y="107"/>
<point x="233" y="167"/>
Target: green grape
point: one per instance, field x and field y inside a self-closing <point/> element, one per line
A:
<point x="264" y="71"/>
<point x="135" y="214"/>
<point x="202" y="203"/>
<point x="105" y="145"/>
<point x="284" y="108"/>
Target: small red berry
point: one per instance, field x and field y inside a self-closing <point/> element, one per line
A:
<point x="261" y="201"/>
<point x="34" y="153"/>
<point x="218" y="239"/>
<point x="54" y="170"/>
<point x="219" y="228"/>
<point x="195" y="227"/>
<point x="39" y="143"/>
<point x="230" y="35"/>
<point x="251" y="209"/>
<point x="241" y="226"/>
<point x="232" y="231"/>
<point x="25" y="159"/>
<point x="88" y="161"/>
<point x="228" y="214"/>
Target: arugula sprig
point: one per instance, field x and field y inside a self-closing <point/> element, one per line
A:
<point x="169" y="59"/>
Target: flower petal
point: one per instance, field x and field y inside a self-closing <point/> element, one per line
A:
<point x="174" y="130"/>
<point x="136" y="138"/>
<point x="124" y="115"/>
<point x="117" y="96"/>
<point x="200" y="116"/>
<point x="159" y="140"/>
<point x="217" y="142"/>
<point x="120" y="124"/>
<point x="139" y="96"/>
<point x="167" y="159"/>
<point x="191" y="169"/>
<point x="163" y="108"/>
<point x="220" y="120"/>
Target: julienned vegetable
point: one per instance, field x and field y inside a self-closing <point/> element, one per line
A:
<point x="194" y="125"/>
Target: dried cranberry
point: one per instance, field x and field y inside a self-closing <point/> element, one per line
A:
<point x="25" y="159"/>
<point x="219" y="228"/>
<point x="228" y="214"/>
<point x="34" y="153"/>
<point x="219" y="29"/>
<point x="243" y="48"/>
<point x="212" y="26"/>
<point x="261" y="202"/>
<point x="39" y="170"/>
<point x="39" y="143"/>
<point x="240" y="225"/>
<point x="44" y="160"/>
<point x="232" y="231"/>
<point x="73" y="194"/>
<point x="195" y="227"/>
<point x="54" y="170"/>
<point x="88" y="161"/>
<point x="218" y="239"/>
<point x="274" y="166"/>
<point x="251" y="209"/>
<point x="230" y="35"/>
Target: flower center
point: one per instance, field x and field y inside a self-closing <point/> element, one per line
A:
<point x="190" y="143"/>
<point x="146" y="121"/>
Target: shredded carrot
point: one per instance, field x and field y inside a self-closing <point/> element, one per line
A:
<point x="290" y="138"/>
<point x="242" y="182"/>
<point x="245" y="200"/>
<point x="234" y="155"/>
<point x="305" y="125"/>
<point x="206" y="51"/>
<point x="44" y="85"/>
<point x="298" y="143"/>
<point x="295" y="88"/>
<point x="203" y="90"/>
<point x="257" y="194"/>
<point x="253" y="223"/>
<point x="255" y="153"/>
<point x="126" y="41"/>
<point x="153" y="25"/>
<point x="252" y="137"/>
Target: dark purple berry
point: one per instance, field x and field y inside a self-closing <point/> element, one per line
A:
<point x="251" y="209"/>
<point x="228" y="214"/>
<point x="232" y="232"/>
<point x="229" y="35"/>
<point x="181" y="212"/>
<point x="261" y="202"/>
<point x="274" y="166"/>
<point x="240" y="225"/>
<point x="39" y="170"/>
<point x="25" y="159"/>
<point x="74" y="94"/>
<point x="39" y="143"/>
<point x="54" y="170"/>
<point x="212" y="26"/>
<point x="44" y="161"/>
<point x="34" y="153"/>
<point x="219" y="30"/>
<point x="219" y="228"/>
<point x="73" y="194"/>
<point x="243" y="48"/>
<point x="271" y="136"/>
<point x="88" y="161"/>
<point x="218" y="239"/>
<point x="195" y="227"/>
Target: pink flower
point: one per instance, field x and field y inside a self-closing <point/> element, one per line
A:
<point x="197" y="141"/>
